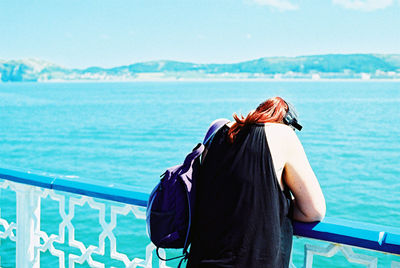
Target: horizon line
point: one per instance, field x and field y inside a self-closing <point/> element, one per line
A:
<point x="193" y="62"/>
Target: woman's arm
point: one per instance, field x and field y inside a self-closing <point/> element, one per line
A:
<point x="309" y="201"/>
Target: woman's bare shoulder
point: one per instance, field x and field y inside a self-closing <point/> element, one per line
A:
<point x="277" y="126"/>
<point x="282" y="140"/>
<point x="280" y="131"/>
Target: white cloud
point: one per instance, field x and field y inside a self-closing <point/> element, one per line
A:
<point x="248" y="36"/>
<point x="279" y="4"/>
<point x="364" y="5"/>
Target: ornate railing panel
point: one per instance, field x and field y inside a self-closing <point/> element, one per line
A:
<point x="105" y="203"/>
<point x="31" y="240"/>
<point x="344" y="235"/>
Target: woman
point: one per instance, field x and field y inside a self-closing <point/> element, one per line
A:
<point x="254" y="180"/>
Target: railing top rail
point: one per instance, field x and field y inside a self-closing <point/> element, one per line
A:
<point x="359" y="234"/>
<point x="109" y="191"/>
<point x="354" y="233"/>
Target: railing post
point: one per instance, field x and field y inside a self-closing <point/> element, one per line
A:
<point x="28" y="225"/>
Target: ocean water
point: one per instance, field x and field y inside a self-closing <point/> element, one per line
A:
<point x="131" y="132"/>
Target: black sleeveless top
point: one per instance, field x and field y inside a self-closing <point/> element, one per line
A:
<point x="241" y="218"/>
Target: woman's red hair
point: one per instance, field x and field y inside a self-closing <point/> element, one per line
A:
<point x="272" y="110"/>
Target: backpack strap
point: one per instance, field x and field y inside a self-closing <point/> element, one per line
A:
<point x="197" y="151"/>
<point x="169" y="259"/>
<point x="182" y="260"/>
<point x="215" y="126"/>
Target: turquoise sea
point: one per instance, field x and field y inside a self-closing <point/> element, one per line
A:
<point x="131" y="132"/>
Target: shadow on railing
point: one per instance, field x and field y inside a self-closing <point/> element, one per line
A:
<point x="341" y="235"/>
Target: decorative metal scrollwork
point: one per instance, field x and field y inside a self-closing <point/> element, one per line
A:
<point x="332" y="249"/>
<point x="31" y="239"/>
<point x="44" y="242"/>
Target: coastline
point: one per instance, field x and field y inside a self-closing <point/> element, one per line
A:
<point x="329" y="68"/>
<point x="373" y="80"/>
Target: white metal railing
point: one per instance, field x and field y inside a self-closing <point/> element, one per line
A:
<point x="31" y="239"/>
<point x="109" y="201"/>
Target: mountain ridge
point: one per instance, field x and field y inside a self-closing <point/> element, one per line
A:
<point x="329" y="66"/>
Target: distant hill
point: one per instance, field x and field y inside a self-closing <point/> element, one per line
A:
<point x="333" y="66"/>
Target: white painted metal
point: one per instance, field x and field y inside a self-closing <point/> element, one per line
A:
<point x="28" y="226"/>
<point x="31" y="240"/>
<point x="332" y="249"/>
<point x="311" y="250"/>
<point x="9" y="228"/>
<point x="351" y="256"/>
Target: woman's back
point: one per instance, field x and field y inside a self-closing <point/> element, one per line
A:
<point x="242" y="218"/>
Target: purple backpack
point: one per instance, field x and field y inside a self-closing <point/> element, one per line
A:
<point x="171" y="203"/>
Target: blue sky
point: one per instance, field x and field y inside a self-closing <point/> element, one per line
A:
<point x="82" y="33"/>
